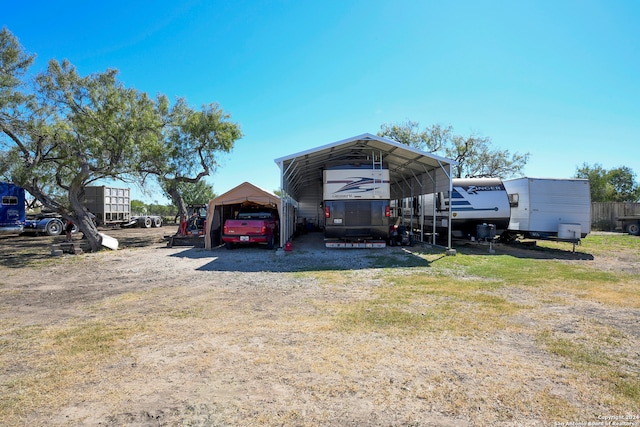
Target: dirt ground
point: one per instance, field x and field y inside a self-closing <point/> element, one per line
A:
<point x="248" y="337"/>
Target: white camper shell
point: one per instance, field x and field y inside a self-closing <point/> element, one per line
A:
<point x="549" y="208"/>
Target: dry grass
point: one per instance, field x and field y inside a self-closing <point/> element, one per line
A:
<point x="472" y="339"/>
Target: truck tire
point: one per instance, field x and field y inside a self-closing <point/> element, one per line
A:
<point x="157" y="221"/>
<point x="634" y="228"/>
<point x="54" y="227"/>
<point x="145" y="222"/>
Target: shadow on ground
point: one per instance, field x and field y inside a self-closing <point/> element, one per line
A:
<point x="308" y="254"/>
<point x="523" y="249"/>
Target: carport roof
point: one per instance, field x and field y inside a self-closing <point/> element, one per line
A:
<point x="246" y="192"/>
<point x="304" y="169"/>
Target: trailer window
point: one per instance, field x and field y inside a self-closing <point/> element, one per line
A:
<point x="9" y="201"/>
<point x="514" y="199"/>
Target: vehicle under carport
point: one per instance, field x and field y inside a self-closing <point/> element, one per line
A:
<point x="412" y="172"/>
<point x="226" y="205"/>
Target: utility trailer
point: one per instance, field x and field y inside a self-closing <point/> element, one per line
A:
<point x="630" y="224"/>
<point x="549" y="208"/>
<point x="12" y="208"/>
<point x="112" y="206"/>
<point x="356" y="200"/>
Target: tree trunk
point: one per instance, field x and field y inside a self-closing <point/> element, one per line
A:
<point x="83" y="220"/>
<point x="176" y="196"/>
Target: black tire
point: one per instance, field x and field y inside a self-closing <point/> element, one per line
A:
<point x="157" y="222"/>
<point x="634" y="228"/>
<point x="507" y="237"/>
<point x="228" y="245"/>
<point x="54" y="227"/>
<point x="271" y="243"/>
<point x="145" y="222"/>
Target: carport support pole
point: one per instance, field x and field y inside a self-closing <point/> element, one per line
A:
<point x="450" y="250"/>
<point x="281" y="213"/>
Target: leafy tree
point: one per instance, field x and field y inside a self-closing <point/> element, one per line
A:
<point x="597" y="177"/>
<point x="475" y="155"/>
<point x="622" y="179"/>
<point x="138" y="207"/>
<point x="142" y="208"/>
<point x="82" y="129"/>
<point x="197" y="193"/>
<point x="615" y="185"/>
<point x="191" y="141"/>
<point x="71" y="131"/>
<point x="162" y="210"/>
<point x="14" y="64"/>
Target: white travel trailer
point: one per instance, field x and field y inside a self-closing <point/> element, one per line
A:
<point x="548" y="208"/>
<point x="474" y="202"/>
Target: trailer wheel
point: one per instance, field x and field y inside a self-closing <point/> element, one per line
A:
<point x="157" y="222"/>
<point x="634" y="228"/>
<point x="54" y="227"/>
<point x="145" y="222"/>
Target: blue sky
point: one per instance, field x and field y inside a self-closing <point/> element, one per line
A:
<point x="557" y="79"/>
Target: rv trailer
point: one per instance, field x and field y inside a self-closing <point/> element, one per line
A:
<point x="356" y="205"/>
<point x="549" y="208"/>
<point x="474" y="203"/>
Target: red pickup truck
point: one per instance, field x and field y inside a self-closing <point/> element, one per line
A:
<point x="255" y="225"/>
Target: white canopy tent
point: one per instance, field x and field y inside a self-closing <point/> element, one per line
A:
<point x="412" y="172"/>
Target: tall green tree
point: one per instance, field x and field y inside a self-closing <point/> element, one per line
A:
<point x="192" y="141"/>
<point x="475" y="155"/>
<point x="623" y="181"/>
<point x="597" y="177"/>
<point x="614" y="185"/>
<point x="70" y="131"/>
<point x="14" y="65"/>
<point x="83" y="129"/>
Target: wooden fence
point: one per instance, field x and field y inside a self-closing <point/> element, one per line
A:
<point x="604" y="214"/>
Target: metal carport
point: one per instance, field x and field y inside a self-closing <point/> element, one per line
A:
<point x="412" y="172"/>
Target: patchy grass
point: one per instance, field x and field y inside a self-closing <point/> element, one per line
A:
<point x="498" y="339"/>
<point x="404" y="259"/>
<point x="599" y="244"/>
<point x="468" y="296"/>
<point x="416" y="303"/>
<point x="49" y="362"/>
<point x="602" y="356"/>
